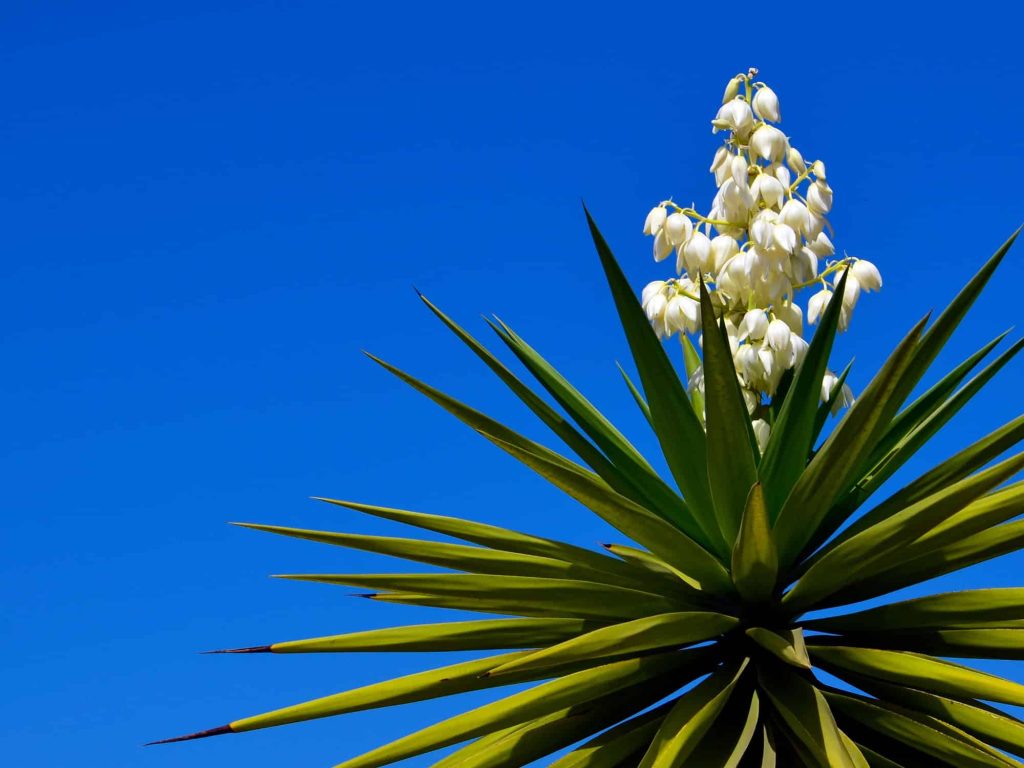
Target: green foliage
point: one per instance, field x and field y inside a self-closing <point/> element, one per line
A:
<point x="688" y="645"/>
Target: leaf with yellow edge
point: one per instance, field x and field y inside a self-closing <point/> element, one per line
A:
<point x="496" y="537"/>
<point x="531" y="741"/>
<point x="576" y="599"/>
<point x="692" y="716"/>
<point x="616" y="746"/>
<point x="927" y="734"/>
<point x="917" y="671"/>
<point x="755" y="561"/>
<point x="660" y="537"/>
<point x="668" y="630"/>
<point x="980" y="720"/>
<point x="785" y="644"/>
<point x="443" y="636"/>
<point x="806" y="715"/>
<point x="530" y="704"/>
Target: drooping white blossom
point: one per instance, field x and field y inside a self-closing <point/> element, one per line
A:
<point x="764" y="240"/>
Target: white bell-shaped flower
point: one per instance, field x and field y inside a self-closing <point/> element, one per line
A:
<point x="818" y="169"/>
<point x="768" y="188"/>
<point x="662" y="246"/>
<point x="851" y="293"/>
<point x="736" y="201"/>
<point x="696" y="254"/>
<point x="651" y="289"/>
<point x="769" y="143"/>
<point x="766" y="104"/>
<point x="738" y="169"/>
<point x="754" y="324"/>
<point x="748" y="366"/>
<point x="779" y="336"/>
<point x="819" y="197"/>
<point x="844" y="397"/>
<point x="795" y="215"/>
<point x="721" y="155"/>
<point x="791" y="315"/>
<point x="735" y="116"/>
<point x="678" y="228"/>
<point x="751" y="399"/>
<point x="654" y="221"/>
<point x="784" y="237"/>
<point x="867" y="275"/>
<point x="654" y="304"/>
<point x="761" y="232"/>
<point x="816" y="224"/>
<point x="723" y="248"/>
<point x="682" y="314"/>
<point x="799" y="351"/>
<point x="781" y="173"/>
<point x="821" y="245"/>
<point x="817" y="304"/>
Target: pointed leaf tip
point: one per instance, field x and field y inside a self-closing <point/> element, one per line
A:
<point x="250" y="649"/>
<point x="220" y="730"/>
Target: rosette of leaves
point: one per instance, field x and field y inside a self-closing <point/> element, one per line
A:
<point x="689" y="645"/>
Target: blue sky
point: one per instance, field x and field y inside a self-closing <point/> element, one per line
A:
<point x="209" y="209"/>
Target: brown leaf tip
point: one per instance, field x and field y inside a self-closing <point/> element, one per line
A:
<point x="197" y="735"/>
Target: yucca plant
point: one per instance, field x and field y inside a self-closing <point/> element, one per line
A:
<point x="690" y="645"/>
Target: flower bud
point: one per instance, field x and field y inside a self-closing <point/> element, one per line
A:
<point x="795" y="160"/>
<point x="867" y="275"/>
<point x="655" y="220"/>
<point x="732" y="88"/>
<point x="766" y="104"/>
<point x="761" y="432"/>
<point x="678" y="228"/>
<point x="818" y="169"/>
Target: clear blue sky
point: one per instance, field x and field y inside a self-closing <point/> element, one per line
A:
<point x="210" y="208"/>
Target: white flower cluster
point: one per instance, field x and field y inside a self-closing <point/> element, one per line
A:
<point x="763" y="240"/>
